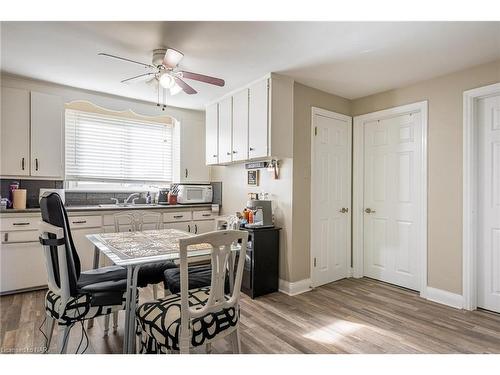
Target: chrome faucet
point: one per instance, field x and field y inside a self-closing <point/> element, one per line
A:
<point x="134" y="196"/>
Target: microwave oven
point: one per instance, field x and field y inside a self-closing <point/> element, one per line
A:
<point x="189" y="194"/>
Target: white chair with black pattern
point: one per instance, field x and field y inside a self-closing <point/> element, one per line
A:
<point x="198" y="316"/>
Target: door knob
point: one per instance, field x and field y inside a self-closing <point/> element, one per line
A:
<point x="369" y="211"/>
<point x="344" y="210"/>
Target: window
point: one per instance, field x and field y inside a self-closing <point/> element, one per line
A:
<point x="117" y="150"/>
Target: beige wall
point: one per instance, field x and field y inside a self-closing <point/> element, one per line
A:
<point x="304" y="98"/>
<point x="444" y="95"/>
<point x="235" y="193"/>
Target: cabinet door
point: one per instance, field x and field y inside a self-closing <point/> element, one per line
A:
<point x="47" y="143"/>
<point x="258" y="117"/>
<point x="22" y="265"/>
<point x="240" y="126"/>
<point x="15" y="132"/>
<point x="184" y="226"/>
<point x="225" y="130"/>
<point x="202" y="226"/>
<point x="192" y="167"/>
<point x="84" y="247"/>
<point x="211" y="134"/>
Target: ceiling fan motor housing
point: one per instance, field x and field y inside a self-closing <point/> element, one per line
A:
<point x="158" y="55"/>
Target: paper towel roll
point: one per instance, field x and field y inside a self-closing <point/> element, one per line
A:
<point x="19" y="199"/>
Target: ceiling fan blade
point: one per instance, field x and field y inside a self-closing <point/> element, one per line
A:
<point x="185" y="87"/>
<point x="204" y="78"/>
<point x="125" y="59"/>
<point x="138" y="78"/>
<point x="172" y="58"/>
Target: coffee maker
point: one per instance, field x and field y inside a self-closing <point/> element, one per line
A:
<point x="261" y="207"/>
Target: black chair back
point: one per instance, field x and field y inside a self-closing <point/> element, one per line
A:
<point x="54" y="213"/>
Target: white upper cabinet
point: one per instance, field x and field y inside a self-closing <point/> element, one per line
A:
<point x="15" y="132"/>
<point x="240" y="125"/>
<point x="225" y="130"/>
<point x="255" y="122"/>
<point x="258" y="120"/>
<point x="211" y="137"/>
<point x="191" y="168"/>
<point x="47" y="140"/>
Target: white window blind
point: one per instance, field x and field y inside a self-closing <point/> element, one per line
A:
<point x="108" y="148"/>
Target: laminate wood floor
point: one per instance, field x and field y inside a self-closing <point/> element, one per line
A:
<point x="348" y="316"/>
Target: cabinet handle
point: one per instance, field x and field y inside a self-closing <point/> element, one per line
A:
<point x="228" y="153"/>
<point x="196" y="229"/>
<point x="189" y="228"/>
<point x="80" y="222"/>
<point x="178" y="216"/>
<point x="214" y="156"/>
<point x="206" y="215"/>
<point x="235" y="152"/>
<point x="186" y="173"/>
<point x="22" y="164"/>
<point x="36" y="164"/>
<point x="20" y="223"/>
<point x="252" y="149"/>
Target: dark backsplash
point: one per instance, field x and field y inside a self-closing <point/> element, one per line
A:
<point x="79" y="198"/>
<point x="32" y="186"/>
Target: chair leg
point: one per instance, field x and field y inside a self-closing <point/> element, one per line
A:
<point x="63" y="338"/>
<point x="155" y="291"/>
<point x="208" y="348"/>
<point x="106" y="325"/>
<point x="115" y="321"/>
<point x="235" y="341"/>
<point x="49" y="330"/>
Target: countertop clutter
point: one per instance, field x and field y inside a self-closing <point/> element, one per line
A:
<point x="110" y="208"/>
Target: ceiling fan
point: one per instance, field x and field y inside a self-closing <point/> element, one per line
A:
<point x="165" y="70"/>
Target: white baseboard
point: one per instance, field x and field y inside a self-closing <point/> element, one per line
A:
<point x="444" y="297"/>
<point x="297" y="287"/>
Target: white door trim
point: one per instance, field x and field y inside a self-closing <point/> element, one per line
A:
<point x="358" y="184"/>
<point x="339" y="116"/>
<point x="469" y="200"/>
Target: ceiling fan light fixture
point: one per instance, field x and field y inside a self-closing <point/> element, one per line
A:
<point x="172" y="58"/>
<point x="175" y="89"/>
<point x="166" y="81"/>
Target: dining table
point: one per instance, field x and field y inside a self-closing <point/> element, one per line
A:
<point x="132" y="250"/>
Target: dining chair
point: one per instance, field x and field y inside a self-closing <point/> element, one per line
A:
<point x="73" y="295"/>
<point x="199" y="316"/>
<point x="150" y="274"/>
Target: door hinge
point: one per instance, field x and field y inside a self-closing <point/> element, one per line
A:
<point x="315" y="130"/>
<point x="315" y="262"/>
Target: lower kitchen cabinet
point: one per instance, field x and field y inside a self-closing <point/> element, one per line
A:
<point x="202" y="226"/>
<point x="22" y="264"/>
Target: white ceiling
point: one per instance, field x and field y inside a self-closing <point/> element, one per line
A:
<point x="350" y="59"/>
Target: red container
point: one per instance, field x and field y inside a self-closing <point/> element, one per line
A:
<point x="172" y="199"/>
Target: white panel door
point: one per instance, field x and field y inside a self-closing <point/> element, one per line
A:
<point x="258" y="117"/>
<point x="392" y="154"/>
<point x="240" y="125"/>
<point x="47" y="144"/>
<point x="331" y="198"/>
<point x="489" y="204"/>
<point x="212" y="134"/>
<point x="15" y="132"/>
<point x="225" y="130"/>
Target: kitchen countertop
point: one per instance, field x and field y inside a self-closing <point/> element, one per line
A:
<point x="108" y="208"/>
